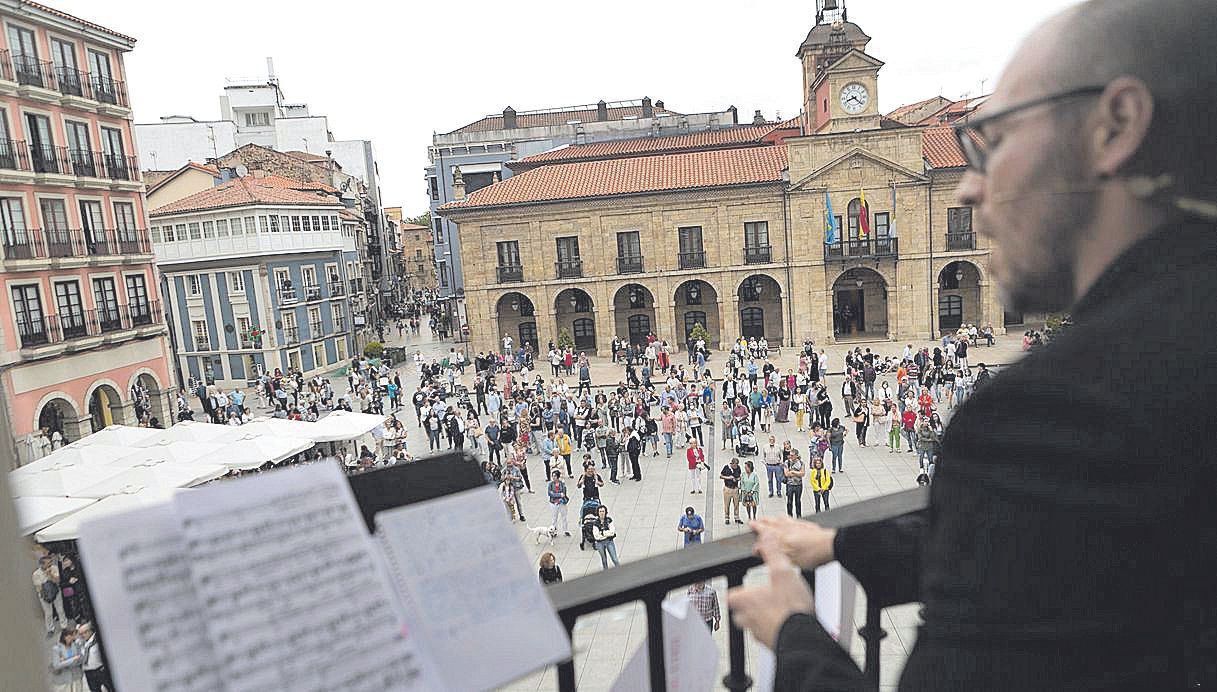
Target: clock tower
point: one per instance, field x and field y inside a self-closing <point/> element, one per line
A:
<point x="840" y="81"/>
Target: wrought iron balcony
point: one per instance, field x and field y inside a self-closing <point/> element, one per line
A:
<point x="73" y="324"/>
<point x="99" y="241"/>
<point x="72" y="82"/>
<point x="629" y="264"/>
<point x="312" y="292"/>
<point x="315" y="329"/>
<point x="692" y="260"/>
<point x="336" y="289"/>
<point x="63" y="242"/>
<point x="86" y="163"/>
<point x="961" y="241"/>
<point x="50" y="159"/>
<point x="38" y="332"/>
<point x="34" y="72"/>
<point x="569" y="269"/>
<point x="108" y="319"/>
<point x="758" y="254"/>
<point x="119" y="167"/>
<point x="511" y="273"/>
<point x="14" y="155"/>
<point x="291" y="335"/>
<point x="24" y="244"/>
<point x="287" y="295"/>
<point x="133" y="242"/>
<point x="142" y="314"/>
<point x="872" y="247"/>
<point x="107" y="90"/>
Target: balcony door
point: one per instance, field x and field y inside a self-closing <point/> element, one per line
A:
<point x="71" y="309"/>
<point x="42" y="145"/>
<point x="112" y="147"/>
<point x="93" y="224"/>
<point x="12" y="221"/>
<point x="568" y="251"/>
<point x="80" y="148"/>
<point x="25" y="55"/>
<point x="105" y="297"/>
<point x="137" y="299"/>
<point x="103" y="78"/>
<point x="27" y="308"/>
<point x="67" y="72"/>
<point x="8" y="149"/>
<point x="692" y="254"/>
<point x="55" y="226"/>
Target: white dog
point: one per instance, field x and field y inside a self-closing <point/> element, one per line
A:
<point x="542" y="532"/>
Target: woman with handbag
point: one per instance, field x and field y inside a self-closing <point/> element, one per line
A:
<point x="603" y="532"/>
<point x="799" y="402"/>
<point x="750" y="488"/>
<point x="861" y="419"/>
<point x="821" y="483"/>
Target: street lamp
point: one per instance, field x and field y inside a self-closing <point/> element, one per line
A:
<point x="858" y="282"/>
<point x="574" y="302"/>
<point x="515" y="305"/>
<point x="693" y="292"/>
<point x="959" y="274"/>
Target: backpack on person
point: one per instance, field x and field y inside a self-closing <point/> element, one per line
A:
<point x="49" y="591"/>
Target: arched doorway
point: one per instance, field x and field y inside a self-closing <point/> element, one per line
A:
<point x="105" y="407"/>
<point x="760" y="308"/>
<point x="859" y="305"/>
<point x="573" y="311"/>
<point x="55" y="416"/>
<point x="697" y="303"/>
<point x="959" y="298"/>
<point x="147" y="399"/>
<point x="634" y="313"/>
<point x="516" y="317"/>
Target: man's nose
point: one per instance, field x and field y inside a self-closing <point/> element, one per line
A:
<point x="970" y="191"/>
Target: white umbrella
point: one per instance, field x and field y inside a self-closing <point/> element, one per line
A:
<point x="66" y="457"/>
<point x="119" y="436"/>
<point x="190" y="431"/>
<point x="251" y="451"/>
<point x="351" y="425"/>
<point x="293" y="429"/>
<point x="175" y="452"/>
<point x="62" y="481"/>
<point x="34" y="513"/>
<point x="166" y="476"/>
<point x="69" y="528"/>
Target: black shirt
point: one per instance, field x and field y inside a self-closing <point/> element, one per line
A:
<point x="733" y="481"/>
<point x="1069" y="518"/>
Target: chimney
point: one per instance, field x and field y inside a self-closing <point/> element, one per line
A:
<point x="458" y="181"/>
<point x="602" y="111"/>
<point x="509" y="118"/>
<point x="659" y="104"/>
<point x="647" y="111"/>
<point x="734" y="115"/>
<point x="758" y="119"/>
<point x="258" y="173"/>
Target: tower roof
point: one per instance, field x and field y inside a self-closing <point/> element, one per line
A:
<point x="826" y="34"/>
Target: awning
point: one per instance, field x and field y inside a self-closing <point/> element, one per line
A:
<point x="68" y="529"/>
<point x="61" y="481"/>
<point x="34" y="513"/>
<point x="167" y="476"/>
<point x="170" y="452"/>
<point x="192" y="431"/>
<point x="118" y="436"/>
<point x="255" y="450"/>
<point x="71" y="456"/>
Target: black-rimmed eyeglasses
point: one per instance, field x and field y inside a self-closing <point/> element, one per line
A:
<point x="972" y="141"/>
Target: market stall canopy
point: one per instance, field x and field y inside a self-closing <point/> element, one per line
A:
<point x="350" y="425"/>
<point x="171" y="452"/>
<point x="278" y="427"/>
<point x="61" y="481"/>
<point x="71" y="456"/>
<point x="34" y="513"/>
<point x="192" y="431"/>
<point x="166" y="476"/>
<point x="68" y="529"/>
<point x="252" y="451"/>
<point x="118" y="436"/>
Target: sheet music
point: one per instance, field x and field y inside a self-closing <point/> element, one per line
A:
<point x="292" y="593"/>
<point x="689" y="652"/>
<point x="147" y="606"/>
<point x="467" y="585"/>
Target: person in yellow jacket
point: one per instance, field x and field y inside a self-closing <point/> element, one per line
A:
<point x="821" y="482"/>
<point x="563" y="444"/>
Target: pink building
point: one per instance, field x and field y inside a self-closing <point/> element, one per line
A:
<point x="81" y="320"/>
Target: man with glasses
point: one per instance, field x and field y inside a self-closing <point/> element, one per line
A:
<point x="1071" y="537"/>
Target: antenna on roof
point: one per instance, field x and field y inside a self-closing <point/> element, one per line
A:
<point x="270" y="71"/>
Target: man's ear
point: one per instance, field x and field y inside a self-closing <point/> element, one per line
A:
<point x="1122" y="120"/>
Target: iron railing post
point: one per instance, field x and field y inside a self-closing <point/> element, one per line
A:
<point x="872" y="633"/>
<point x="566" y="669"/>
<point x="655" y="658"/>
<point x="736" y="680"/>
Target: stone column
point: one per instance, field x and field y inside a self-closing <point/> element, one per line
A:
<point x="665" y="318"/>
<point x="162" y="406"/>
<point x="602" y="315"/>
<point x="547" y="329"/>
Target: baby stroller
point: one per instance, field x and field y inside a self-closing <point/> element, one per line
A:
<point x="745" y="441"/>
<point x="589" y="512"/>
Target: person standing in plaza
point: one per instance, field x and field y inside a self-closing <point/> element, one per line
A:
<point x="794" y="471"/>
<point x="66" y="662"/>
<point x="836" y="443"/>
<point x="50" y="596"/>
<point x="730" y="475"/>
<point x="696" y="458"/>
<point x="633" y="449"/>
<point x="558" y="500"/>
<point x="705" y="601"/>
<point x="97" y="676"/>
<point x="749" y="489"/>
<point x="896" y="423"/>
<point x="667" y="425"/>
<point x="861" y="414"/>
<point x="564" y="448"/>
<point x="771" y="455"/>
<point x="612" y="451"/>
<point x="821" y="482"/>
<point x="605" y="536"/>
<point x="692" y="526"/>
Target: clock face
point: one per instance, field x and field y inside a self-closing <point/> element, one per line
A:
<point x="854" y="98"/>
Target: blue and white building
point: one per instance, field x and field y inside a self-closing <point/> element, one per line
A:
<point x="256" y="276"/>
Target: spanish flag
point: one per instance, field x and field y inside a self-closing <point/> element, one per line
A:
<point x="863" y="214"/>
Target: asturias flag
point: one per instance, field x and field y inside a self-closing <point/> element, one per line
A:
<point x="863" y="214"/>
<point x="830" y="222"/>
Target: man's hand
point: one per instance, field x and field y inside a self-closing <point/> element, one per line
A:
<point x="807" y="544"/>
<point x="763" y="610"/>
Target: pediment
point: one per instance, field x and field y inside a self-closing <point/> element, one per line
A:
<point x="864" y="157"/>
<point x="854" y="60"/>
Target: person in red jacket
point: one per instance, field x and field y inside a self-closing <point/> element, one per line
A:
<point x="925" y="402"/>
<point x="697" y="461"/>
<point x="908" y="422"/>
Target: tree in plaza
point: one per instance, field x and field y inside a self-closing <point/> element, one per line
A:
<point x="423" y="219"/>
<point x="374" y="349"/>
<point x="699" y="333"/>
<point x="564" y="339"/>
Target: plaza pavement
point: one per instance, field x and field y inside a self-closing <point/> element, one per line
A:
<point x="645" y="514"/>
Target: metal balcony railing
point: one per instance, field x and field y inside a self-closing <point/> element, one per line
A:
<point x="758" y="254"/>
<point x="337" y="289"/>
<point x="86" y="163"/>
<point x="108" y="319"/>
<point x="692" y="260"/>
<point x="107" y="90"/>
<point x="24" y="244"/>
<point x="33" y="72"/>
<point x="287" y="295"/>
<point x="312" y="292"/>
<point x="119" y="167"/>
<point x="862" y="247"/>
<point x="72" y="82"/>
<point x="38" y="332"/>
<point x="50" y="159"/>
<point x="629" y="264"/>
<point x="133" y="242"/>
<point x="961" y="241"/>
<point x="291" y="335"/>
<point x="63" y="242"/>
<point x="14" y="155"/>
<point x="569" y="269"/>
<point x="315" y="329"/>
<point x="511" y="273"/>
<point x="99" y="241"/>
<point x="73" y="324"/>
<point x="142" y="314"/>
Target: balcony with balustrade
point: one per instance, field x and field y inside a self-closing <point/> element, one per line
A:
<point x="291" y="335"/>
<point x="14" y="156"/>
<point x="871" y="247"/>
<point x="511" y="273"/>
<point x="630" y="264"/>
<point x="77" y="328"/>
<point x="45" y="81"/>
<point x="695" y="259"/>
<point x="312" y="292"/>
<point x="961" y="241"/>
<point x="758" y="254"/>
<point x="569" y="269"/>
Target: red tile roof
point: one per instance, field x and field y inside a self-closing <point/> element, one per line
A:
<point x="940" y="148"/>
<point x="749" y="135"/>
<point x="586" y="114"/>
<point x="64" y="15"/>
<point x="412" y="227"/>
<point x="243" y="192"/>
<point x="907" y="109"/>
<point x="155" y="179"/>
<point x="290" y="184"/>
<point x="666" y="172"/>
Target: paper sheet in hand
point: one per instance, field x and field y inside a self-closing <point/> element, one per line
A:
<point x="291" y="590"/>
<point x="147" y="606"/>
<point x="690" y="654"/>
<point x="469" y="591"/>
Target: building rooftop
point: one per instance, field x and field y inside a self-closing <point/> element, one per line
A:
<point x="413" y="227"/>
<point x="940" y="148"/>
<point x="243" y="192"/>
<point x="154" y="179"/>
<point x="744" y="136"/>
<point x="72" y="18"/>
<point x="549" y="117"/>
<point x="660" y="173"/>
<point x="937" y="110"/>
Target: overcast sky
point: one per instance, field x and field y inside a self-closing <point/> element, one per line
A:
<point x="395" y="73"/>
